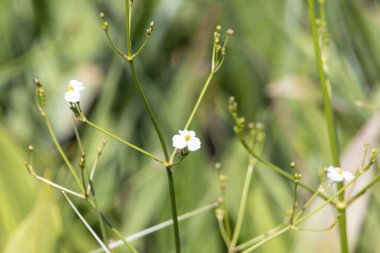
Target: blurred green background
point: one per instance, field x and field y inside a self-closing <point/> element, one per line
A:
<point x="270" y="68"/>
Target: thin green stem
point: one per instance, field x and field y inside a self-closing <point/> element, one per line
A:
<point x="114" y="46"/>
<point x="160" y="226"/>
<point x="266" y="239"/>
<point x="279" y="170"/>
<point x="223" y="232"/>
<point x="325" y="89"/>
<point x="105" y="248"/>
<point x="121" y="237"/>
<point x="77" y="136"/>
<point x="101" y="222"/>
<point x="333" y="138"/>
<point x="123" y="141"/>
<point x="150" y="110"/>
<point x="114" y="230"/>
<point x="374" y="181"/>
<point x="142" y="47"/>
<point x="260" y="237"/>
<point x="63" y="155"/>
<point x="243" y="203"/>
<point x="128" y="18"/>
<point x="59" y="187"/>
<point x="328" y="201"/>
<point x="174" y="210"/>
<point x="195" y="109"/>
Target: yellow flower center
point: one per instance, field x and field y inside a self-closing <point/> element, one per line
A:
<point x="70" y="88"/>
<point x="187" y="137"/>
<point x="340" y="171"/>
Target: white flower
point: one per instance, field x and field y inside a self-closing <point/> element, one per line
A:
<point x="187" y="139"/>
<point x="72" y="94"/>
<point x="338" y="175"/>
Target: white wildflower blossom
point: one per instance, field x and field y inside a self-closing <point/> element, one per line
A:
<point x="72" y="94"/>
<point x="338" y="175"/>
<point x="187" y="139"/>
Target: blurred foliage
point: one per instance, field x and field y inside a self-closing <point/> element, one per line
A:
<point x="270" y="69"/>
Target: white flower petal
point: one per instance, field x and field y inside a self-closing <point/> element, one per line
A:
<point x="335" y="176"/>
<point x="183" y="133"/>
<point x="191" y="134"/>
<point x="72" y="96"/>
<point x="77" y="86"/>
<point x="347" y="176"/>
<point x="178" y="141"/>
<point x="332" y="169"/>
<point x="194" y="143"/>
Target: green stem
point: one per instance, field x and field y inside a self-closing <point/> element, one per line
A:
<point x="59" y="187"/>
<point x="259" y="238"/>
<point x="128" y="11"/>
<point x="160" y="226"/>
<point x="174" y="210"/>
<point x="150" y="110"/>
<point x="330" y="124"/>
<point x="268" y="238"/>
<point x="114" y="230"/>
<point x="195" y="109"/>
<point x="243" y="203"/>
<point x="123" y="141"/>
<point x="374" y="181"/>
<point x="104" y="246"/>
<point x="223" y="232"/>
<point x="63" y="155"/>
<point x="128" y="6"/>
<point x="280" y="171"/>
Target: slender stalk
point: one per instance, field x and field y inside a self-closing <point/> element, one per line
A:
<point x="128" y="12"/>
<point x="148" y="107"/>
<point x="63" y="155"/>
<point x="267" y="238"/>
<point x="105" y="248"/>
<point x="374" y="181"/>
<point x="165" y="150"/>
<point x="243" y="203"/>
<point x="160" y="226"/>
<point x="195" y="109"/>
<point x="259" y="238"/>
<point x="223" y="232"/>
<point x="174" y="210"/>
<point x="280" y="171"/>
<point x="59" y="187"/>
<point x="123" y="141"/>
<point x="333" y="138"/>
<point x="128" y="6"/>
<point x="114" y="230"/>
<point x="101" y="222"/>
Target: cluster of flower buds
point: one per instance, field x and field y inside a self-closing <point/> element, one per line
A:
<point x="219" y="49"/>
<point x="239" y="121"/>
<point x="40" y="96"/>
<point x="150" y="29"/>
<point x="105" y="23"/>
